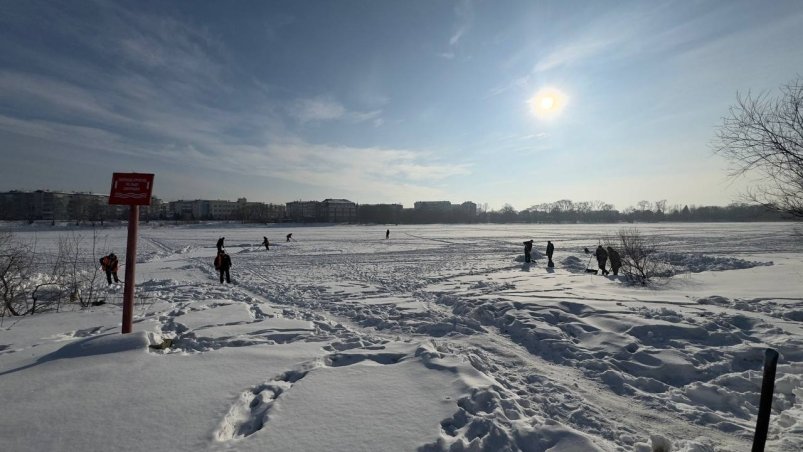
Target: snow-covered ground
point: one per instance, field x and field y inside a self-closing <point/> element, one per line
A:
<point x="439" y="338"/>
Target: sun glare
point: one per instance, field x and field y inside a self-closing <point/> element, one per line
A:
<point x="548" y="103"/>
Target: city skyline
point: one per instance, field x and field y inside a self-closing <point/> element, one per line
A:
<point x="497" y="103"/>
<point x="668" y="205"/>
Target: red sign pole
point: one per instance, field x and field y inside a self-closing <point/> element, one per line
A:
<point x="134" y="190"/>
<point x="130" y="262"/>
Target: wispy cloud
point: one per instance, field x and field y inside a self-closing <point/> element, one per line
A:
<point x="578" y="51"/>
<point x="464" y="10"/>
<point x="396" y="165"/>
<point x="319" y="109"/>
<point x="396" y="174"/>
<point x="327" y="109"/>
<point x="608" y="37"/>
<point x="464" y="19"/>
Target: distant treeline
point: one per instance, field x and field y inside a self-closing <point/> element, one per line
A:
<point x="566" y="211"/>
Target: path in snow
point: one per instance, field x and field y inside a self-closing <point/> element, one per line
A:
<point x="576" y="337"/>
<point x="575" y="360"/>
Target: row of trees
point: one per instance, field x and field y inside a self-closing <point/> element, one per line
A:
<point x="567" y="211"/>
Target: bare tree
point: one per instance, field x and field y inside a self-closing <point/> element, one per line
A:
<point x="583" y="207"/>
<point x="33" y="281"/>
<point x="601" y="205"/>
<point x="562" y="205"/>
<point x="46" y="287"/>
<point x="82" y="273"/>
<point x="15" y="263"/>
<point x="764" y="134"/>
<point x="641" y="260"/>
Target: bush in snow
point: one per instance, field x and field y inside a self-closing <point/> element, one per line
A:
<point x="82" y="273"/>
<point x="15" y="263"/>
<point x="31" y="281"/>
<point x="641" y="260"/>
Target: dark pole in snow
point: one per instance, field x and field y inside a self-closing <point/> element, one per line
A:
<point x="130" y="262"/>
<point x="765" y="405"/>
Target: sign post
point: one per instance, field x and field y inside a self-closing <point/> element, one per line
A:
<point x="133" y="190"/>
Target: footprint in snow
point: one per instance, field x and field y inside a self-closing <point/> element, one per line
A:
<point x="251" y="411"/>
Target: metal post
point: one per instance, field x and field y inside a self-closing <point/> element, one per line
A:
<point x="130" y="262"/>
<point x="765" y="404"/>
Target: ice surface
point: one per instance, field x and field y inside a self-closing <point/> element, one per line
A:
<point x="439" y="338"/>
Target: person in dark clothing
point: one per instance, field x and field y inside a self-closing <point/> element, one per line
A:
<point x="602" y="258"/>
<point x="550" y="248"/>
<point x="616" y="260"/>
<point x="387" y="234"/>
<point x="220" y="243"/>
<point x="223" y="264"/>
<point x="266" y="243"/>
<point x="528" y="248"/>
<point x="289" y="236"/>
<point x="109" y="265"/>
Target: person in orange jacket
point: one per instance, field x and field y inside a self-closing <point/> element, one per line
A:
<point x="109" y="265"/>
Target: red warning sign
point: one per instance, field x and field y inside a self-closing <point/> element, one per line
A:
<point x="133" y="189"/>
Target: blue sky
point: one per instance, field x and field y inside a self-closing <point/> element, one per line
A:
<point x="380" y="101"/>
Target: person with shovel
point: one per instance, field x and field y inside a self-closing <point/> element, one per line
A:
<point x="528" y="248"/>
<point x="602" y="259"/>
<point x="616" y="260"/>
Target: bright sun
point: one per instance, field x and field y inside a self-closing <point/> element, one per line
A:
<point x="548" y="103"/>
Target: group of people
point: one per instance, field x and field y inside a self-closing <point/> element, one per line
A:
<point x="602" y="255"/>
<point x="110" y="263"/>
<point x="223" y="260"/>
<point x="528" y="249"/>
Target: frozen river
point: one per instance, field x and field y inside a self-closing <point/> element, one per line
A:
<point x="557" y="358"/>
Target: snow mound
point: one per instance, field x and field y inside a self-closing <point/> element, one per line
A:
<point x="698" y="263"/>
<point x="574" y="264"/>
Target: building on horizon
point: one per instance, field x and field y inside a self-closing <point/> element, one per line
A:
<point x="327" y="211"/>
<point x="303" y="211"/>
<point x="436" y="206"/>
<point x="207" y="209"/>
<point x="380" y="213"/>
<point x="58" y="206"/>
<point x="442" y="212"/>
<point x="259" y="212"/>
<point x="338" y="211"/>
<point x="467" y="208"/>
